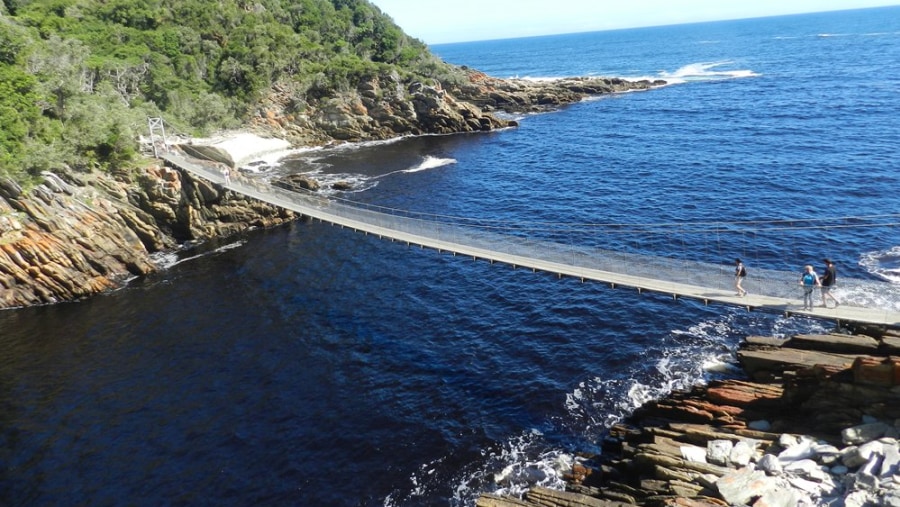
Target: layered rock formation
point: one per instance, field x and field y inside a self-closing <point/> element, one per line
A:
<point x="76" y="235"/>
<point x="818" y="426"/>
<point x="525" y="95"/>
<point x="383" y="107"/>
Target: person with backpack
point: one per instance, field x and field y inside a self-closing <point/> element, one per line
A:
<point x="739" y="273"/>
<point x="808" y="280"/>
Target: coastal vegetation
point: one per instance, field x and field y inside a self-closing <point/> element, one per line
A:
<point x="79" y="78"/>
<point x="82" y="209"/>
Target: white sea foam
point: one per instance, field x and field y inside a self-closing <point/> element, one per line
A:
<point x="705" y="71"/>
<point x="167" y="260"/>
<point x="527" y="460"/>
<point x="164" y="260"/>
<point x="428" y="162"/>
<point x="687" y="357"/>
<point x="522" y="463"/>
<point x="268" y="162"/>
<point x="883" y="263"/>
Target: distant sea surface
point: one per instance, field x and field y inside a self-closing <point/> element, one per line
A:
<point x="310" y="365"/>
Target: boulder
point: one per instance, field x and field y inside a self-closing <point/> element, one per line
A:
<point x="740" y="486"/>
<point x="864" y="433"/>
<point x="235" y="149"/>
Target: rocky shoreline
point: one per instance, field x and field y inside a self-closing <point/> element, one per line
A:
<point x="816" y="422"/>
<point x="80" y="233"/>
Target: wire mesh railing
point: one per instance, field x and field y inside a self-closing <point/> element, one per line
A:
<point x="553" y="247"/>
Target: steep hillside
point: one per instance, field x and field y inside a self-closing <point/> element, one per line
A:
<point x="78" y="78"/>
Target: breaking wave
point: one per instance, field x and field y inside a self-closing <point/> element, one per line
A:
<point x="705" y="71"/>
<point x="883" y="263"/>
<point x="427" y="163"/>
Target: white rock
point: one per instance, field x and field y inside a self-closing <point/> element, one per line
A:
<point x="738" y="487"/>
<point x="802" y="449"/>
<point x="864" y="433"/>
<point x="821" y="449"/>
<point x="808" y="469"/>
<point x="827" y="454"/>
<point x="707" y="481"/>
<point x="854" y="456"/>
<point x="870" y="449"/>
<point x="872" y="466"/>
<point x="831" y="486"/>
<point x="801" y="466"/>
<point x="891" y="463"/>
<point x="867" y="476"/>
<point x="859" y="498"/>
<point x="770" y="464"/>
<point x="741" y="453"/>
<point x="890" y="499"/>
<point x="693" y="453"/>
<point x="851" y="458"/>
<point x="787" y="440"/>
<point x="816" y="489"/>
<point x="782" y="497"/>
<point x="718" y="451"/>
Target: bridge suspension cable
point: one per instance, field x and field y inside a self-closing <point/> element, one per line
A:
<point x="628" y="258"/>
<point x="783" y="224"/>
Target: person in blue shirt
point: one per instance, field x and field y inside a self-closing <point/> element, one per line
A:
<point x="808" y="280"/>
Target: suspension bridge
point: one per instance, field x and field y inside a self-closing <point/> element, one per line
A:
<point x="769" y="290"/>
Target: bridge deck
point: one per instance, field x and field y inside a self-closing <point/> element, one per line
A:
<point x="769" y="290"/>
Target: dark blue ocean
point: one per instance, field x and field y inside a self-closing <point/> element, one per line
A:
<point x="310" y="365"/>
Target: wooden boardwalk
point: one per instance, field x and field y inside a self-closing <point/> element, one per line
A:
<point x="778" y="293"/>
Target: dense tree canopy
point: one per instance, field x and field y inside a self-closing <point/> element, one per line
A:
<point x="78" y="78"/>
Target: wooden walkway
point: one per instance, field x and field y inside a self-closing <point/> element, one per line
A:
<point x="779" y="292"/>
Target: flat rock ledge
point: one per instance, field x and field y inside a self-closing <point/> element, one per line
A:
<point x="816" y="423"/>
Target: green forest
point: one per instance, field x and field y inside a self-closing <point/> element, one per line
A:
<point x="79" y="78"/>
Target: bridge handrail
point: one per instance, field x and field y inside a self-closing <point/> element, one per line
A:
<point x="693" y="278"/>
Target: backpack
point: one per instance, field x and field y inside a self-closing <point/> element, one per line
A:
<point x="809" y="279"/>
<point x="743" y="271"/>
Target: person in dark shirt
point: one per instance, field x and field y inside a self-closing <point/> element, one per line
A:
<point x="739" y="274"/>
<point x="829" y="278"/>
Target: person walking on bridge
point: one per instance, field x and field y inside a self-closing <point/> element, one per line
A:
<point x="808" y="280"/>
<point x="829" y="278"/>
<point x="739" y="274"/>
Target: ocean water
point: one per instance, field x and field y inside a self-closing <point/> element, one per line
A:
<point x="312" y="365"/>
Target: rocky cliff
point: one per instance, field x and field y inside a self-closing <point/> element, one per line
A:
<point x="384" y="107"/>
<point x="78" y="234"/>
<point x="817" y="423"/>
